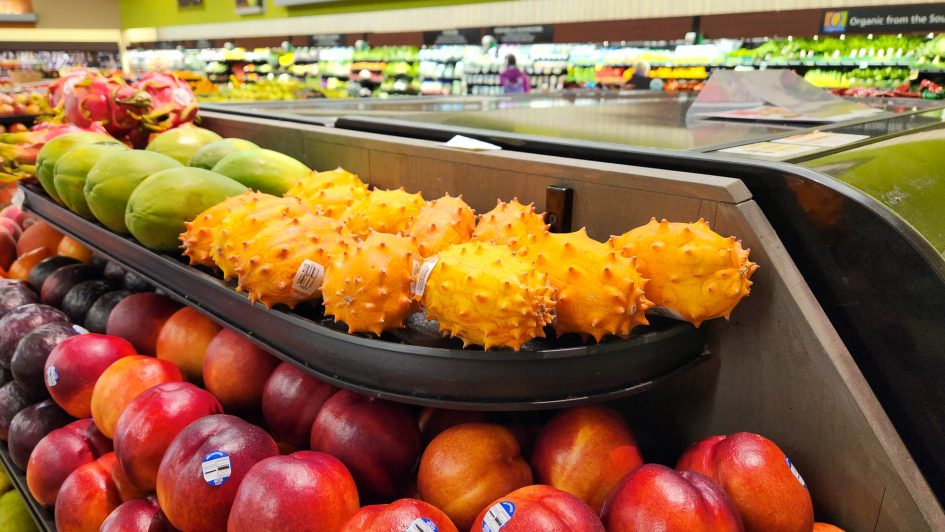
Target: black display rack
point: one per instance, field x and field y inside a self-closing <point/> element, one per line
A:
<point x="44" y="518"/>
<point x="415" y="365"/>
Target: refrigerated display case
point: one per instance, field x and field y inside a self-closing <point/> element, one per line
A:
<point x="862" y="223"/>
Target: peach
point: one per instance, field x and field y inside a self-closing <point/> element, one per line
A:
<point x="467" y="466"/>
<point x="399" y="515"/>
<point x="122" y="382"/>
<point x="202" y="470"/>
<point x="74" y="366"/>
<point x="31" y="425"/>
<point x="23" y="265"/>
<point x="291" y="493"/>
<point x="433" y="421"/>
<point x="377" y="440"/>
<point x="183" y="340"/>
<point x="139" y="318"/>
<point x="90" y="494"/>
<point x="538" y="507"/>
<point x="655" y="497"/>
<point x="12" y="212"/>
<point x="70" y="247"/>
<point x="290" y="401"/>
<point x="11" y="227"/>
<point x="151" y="421"/>
<point x="236" y="370"/>
<point x="585" y="452"/>
<point x="61" y="452"/>
<point x="761" y="481"/>
<point x="7" y="250"/>
<point x="826" y="527"/>
<point x="38" y="235"/>
<point x="137" y="515"/>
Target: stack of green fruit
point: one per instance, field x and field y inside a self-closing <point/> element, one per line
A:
<point x="14" y="515"/>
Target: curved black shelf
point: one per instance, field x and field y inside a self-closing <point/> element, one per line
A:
<point x="429" y="370"/>
<point x="45" y="520"/>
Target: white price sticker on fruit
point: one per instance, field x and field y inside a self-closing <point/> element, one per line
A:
<point x="52" y="376"/>
<point x="216" y="468"/>
<point x="308" y="279"/>
<point x="421" y="524"/>
<point x="421" y="273"/>
<point x="498" y="516"/>
<point x="794" y="472"/>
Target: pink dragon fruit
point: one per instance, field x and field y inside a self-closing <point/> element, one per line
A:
<point x="164" y="101"/>
<point x="95" y="98"/>
<point x="18" y="151"/>
<point x="59" y="88"/>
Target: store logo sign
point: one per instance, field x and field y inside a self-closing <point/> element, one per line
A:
<point x="835" y="21"/>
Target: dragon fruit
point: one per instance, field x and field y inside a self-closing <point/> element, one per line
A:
<point x="95" y="98"/>
<point x="695" y="273"/>
<point x="59" y="88"/>
<point x="160" y="101"/>
<point x="18" y="151"/>
<point x="484" y="294"/>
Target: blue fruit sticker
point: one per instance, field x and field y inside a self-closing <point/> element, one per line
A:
<point x="80" y="329"/>
<point x="498" y="516"/>
<point x="421" y="524"/>
<point x="794" y="472"/>
<point x="52" y="376"/>
<point x="216" y="468"/>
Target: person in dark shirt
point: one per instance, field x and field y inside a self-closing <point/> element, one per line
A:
<point x="512" y="79"/>
<point x="640" y="80"/>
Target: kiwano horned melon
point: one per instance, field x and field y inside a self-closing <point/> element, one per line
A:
<point x="242" y="222"/>
<point x="440" y="224"/>
<point x="599" y="290"/>
<point x="210" y="154"/>
<point x="114" y="177"/>
<point x="285" y="261"/>
<point x="263" y="170"/>
<point x="197" y="239"/>
<point x="512" y="224"/>
<point x="329" y="193"/>
<point x="369" y="287"/>
<point x="49" y="155"/>
<point x="693" y="271"/>
<point x="182" y="142"/>
<point x="72" y="169"/>
<point x="385" y="211"/>
<point x="485" y="295"/>
<point x="162" y="203"/>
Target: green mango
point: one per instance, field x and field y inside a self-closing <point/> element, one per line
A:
<point x="263" y="170"/>
<point x="55" y="148"/>
<point x="5" y="483"/>
<point x="181" y="143"/>
<point x="14" y="514"/>
<point x="71" y="170"/>
<point x="210" y="154"/>
<point x="114" y="177"/>
<point x="162" y="203"/>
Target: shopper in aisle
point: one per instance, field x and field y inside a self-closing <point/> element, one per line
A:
<point x="640" y="79"/>
<point x="513" y="80"/>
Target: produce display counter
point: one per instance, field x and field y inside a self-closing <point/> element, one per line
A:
<point x="771" y="369"/>
<point x="862" y="221"/>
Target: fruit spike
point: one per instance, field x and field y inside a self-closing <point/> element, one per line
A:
<point x="693" y="271"/>
<point x="484" y="294"/>
<point x="385" y="211"/>
<point x="197" y="239"/>
<point x="440" y="224"/>
<point x="329" y="193"/>
<point x="512" y="224"/>
<point x="243" y="222"/>
<point x="368" y="288"/>
<point x="275" y="264"/>
<point x="599" y="291"/>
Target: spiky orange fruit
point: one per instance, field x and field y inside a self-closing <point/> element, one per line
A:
<point x="329" y="193"/>
<point x="694" y="272"/>
<point x="485" y="295"/>
<point x="285" y="261"/>
<point x="385" y="211"/>
<point x="197" y="239"/>
<point x="511" y="224"/>
<point x="368" y="288"/>
<point x="440" y="224"/>
<point x="600" y="292"/>
<point x="243" y="222"/>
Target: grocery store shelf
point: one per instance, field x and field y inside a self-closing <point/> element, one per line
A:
<point x="429" y="370"/>
<point x="44" y="518"/>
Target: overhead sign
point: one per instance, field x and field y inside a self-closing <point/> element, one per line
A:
<point x="460" y="36"/>
<point x="892" y="19"/>
<point x="524" y="34"/>
<point x="326" y="40"/>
